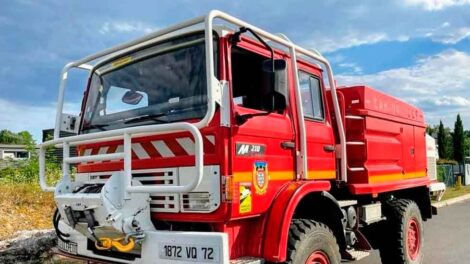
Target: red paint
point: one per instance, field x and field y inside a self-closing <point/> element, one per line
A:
<point x="317" y="257"/>
<point x="367" y="188"/>
<point x="413" y="241"/>
<point x="387" y="137"/>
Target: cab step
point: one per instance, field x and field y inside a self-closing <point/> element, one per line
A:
<point x="353" y="254"/>
<point x="247" y="260"/>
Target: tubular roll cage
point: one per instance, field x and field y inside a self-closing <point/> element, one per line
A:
<point x="214" y="87"/>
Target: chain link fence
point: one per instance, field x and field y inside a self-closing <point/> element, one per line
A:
<point x="447" y="173"/>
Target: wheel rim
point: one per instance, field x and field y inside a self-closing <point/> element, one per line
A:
<point x="318" y="257"/>
<point x="414" y="238"/>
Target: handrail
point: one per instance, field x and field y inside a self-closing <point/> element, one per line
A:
<point x="126" y="134"/>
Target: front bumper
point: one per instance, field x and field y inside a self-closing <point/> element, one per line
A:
<point x="166" y="247"/>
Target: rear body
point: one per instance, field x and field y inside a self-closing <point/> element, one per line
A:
<point x="189" y="150"/>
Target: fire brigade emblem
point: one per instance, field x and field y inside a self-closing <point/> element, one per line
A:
<point x="260" y="177"/>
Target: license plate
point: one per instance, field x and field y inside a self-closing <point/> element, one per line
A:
<point x="197" y="253"/>
<point x="69" y="247"/>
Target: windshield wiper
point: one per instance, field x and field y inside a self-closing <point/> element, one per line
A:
<point x="153" y="117"/>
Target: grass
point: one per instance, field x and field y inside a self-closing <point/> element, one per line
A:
<point x="453" y="192"/>
<point x="24" y="206"/>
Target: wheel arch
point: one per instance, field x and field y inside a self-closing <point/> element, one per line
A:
<point x="421" y="196"/>
<point x="293" y="202"/>
<point x="324" y="208"/>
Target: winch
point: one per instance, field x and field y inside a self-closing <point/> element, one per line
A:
<point x="104" y="213"/>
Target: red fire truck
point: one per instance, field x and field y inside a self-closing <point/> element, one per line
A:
<point x="214" y="141"/>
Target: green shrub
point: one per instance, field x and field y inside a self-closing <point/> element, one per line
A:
<point x="440" y="174"/>
<point x="27" y="171"/>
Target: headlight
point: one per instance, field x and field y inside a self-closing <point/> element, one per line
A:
<point x="195" y="201"/>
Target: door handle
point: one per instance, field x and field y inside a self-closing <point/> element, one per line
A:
<point x="288" y="145"/>
<point x="329" y="148"/>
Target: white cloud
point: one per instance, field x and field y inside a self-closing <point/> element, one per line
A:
<point x="446" y="33"/>
<point x="126" y="27"/>
<point x="438" y="84"/>
<point x="434" y="5"/>
<point x="350" y="24"/>
<point x="451" y="35"/>
<point x="351" y="39"/>
<point x="352" y="67"/>
<point x="452" y="101"/>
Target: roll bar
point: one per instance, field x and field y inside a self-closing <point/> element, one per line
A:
<point x="214" y="87"/>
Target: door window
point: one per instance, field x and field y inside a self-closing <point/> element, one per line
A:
<point x="311" y="95"/>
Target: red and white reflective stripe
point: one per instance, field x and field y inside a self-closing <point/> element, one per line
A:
<point x="187" y="144"/>
<point x="140" y="151"/>
<point x="87" y="152"/>
<point x="103" y="150"/>
<point x="211" y="139"/>
<point x="161" y="147"/>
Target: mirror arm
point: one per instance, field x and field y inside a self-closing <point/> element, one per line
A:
<point x="236" y="38"/>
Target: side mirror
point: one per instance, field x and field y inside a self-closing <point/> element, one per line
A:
<point x="69" y="123"/>
<point x="279" y="65"/>
<point x="276" y="83"/>
<point x="132" y="97"/>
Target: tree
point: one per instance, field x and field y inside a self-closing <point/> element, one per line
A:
<point x="458" y="140"/>
<point x="9" y="137"/>
<point x="26" y="137"/>
<point x="432" y="130"/>
<point x="466" y="143"/>
<point x="444" y="146"/>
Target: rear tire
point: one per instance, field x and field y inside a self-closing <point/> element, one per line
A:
<point x="311" y="242"/>
<point x="402" y="240"/>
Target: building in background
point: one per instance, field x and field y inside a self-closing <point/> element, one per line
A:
<point x="14" y="152"/>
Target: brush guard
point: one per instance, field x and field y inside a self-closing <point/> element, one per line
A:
<point x="125" y="134"/>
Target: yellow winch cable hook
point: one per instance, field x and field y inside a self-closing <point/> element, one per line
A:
<point x="104" y="243"/>
<point x="124" y="248"/>
<point x="107" y="243"/>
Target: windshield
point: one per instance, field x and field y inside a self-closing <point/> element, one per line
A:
<point x="160" y="84"/>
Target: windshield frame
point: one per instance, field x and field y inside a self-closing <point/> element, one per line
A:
<point x="210" y="71"/>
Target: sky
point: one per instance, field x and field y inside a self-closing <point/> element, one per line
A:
<point x="416" y="50"/>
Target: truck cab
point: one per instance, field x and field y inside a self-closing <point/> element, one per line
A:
<point x="228" y="144"/>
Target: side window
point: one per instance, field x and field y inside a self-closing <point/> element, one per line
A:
<point x="249" y="82"/>
<point x="311" y="94"/>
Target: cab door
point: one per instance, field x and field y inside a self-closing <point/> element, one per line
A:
<point x="319" y="132"/>
<point x="262" y="146"/>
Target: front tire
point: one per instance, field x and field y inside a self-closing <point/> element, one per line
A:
<point x="403" y="233"/>
<point x="311" y="242"/>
